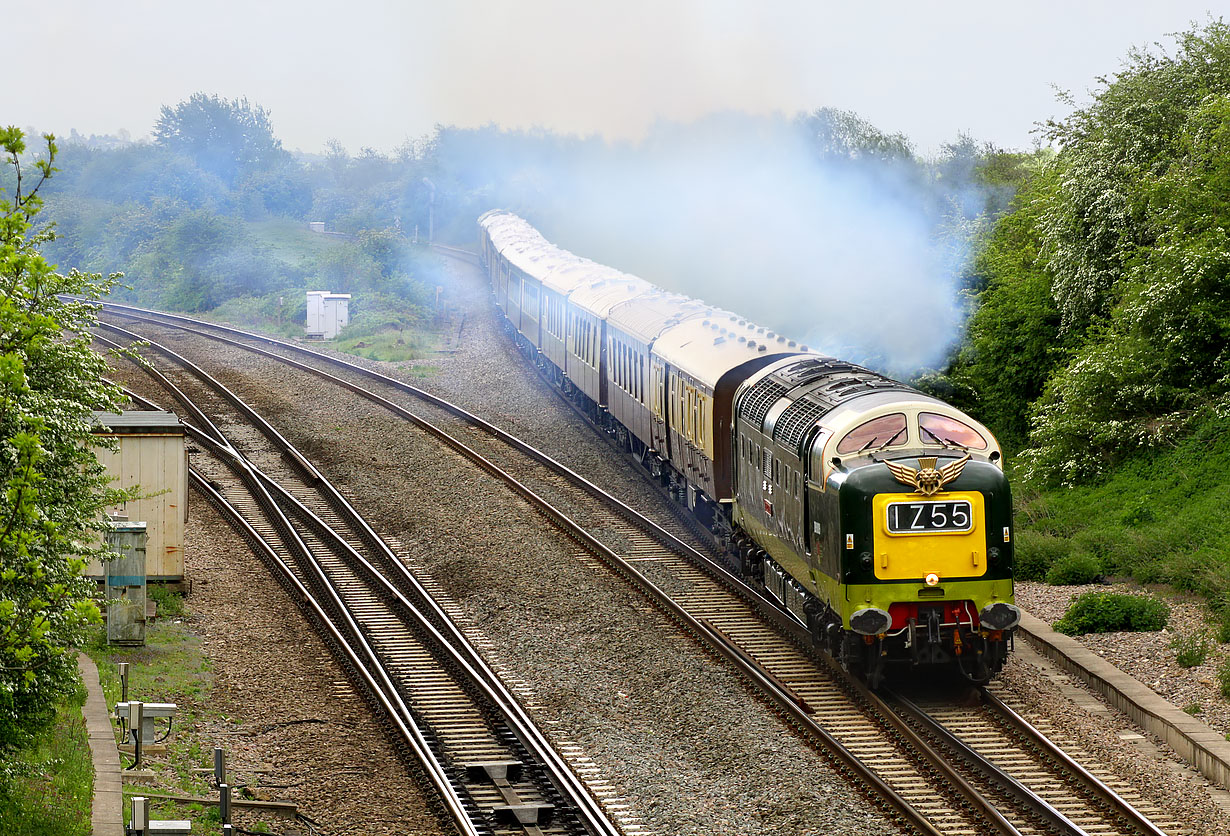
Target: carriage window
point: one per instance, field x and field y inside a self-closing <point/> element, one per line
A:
<point x="887" y="430"/>
<point x="934" y="429"/>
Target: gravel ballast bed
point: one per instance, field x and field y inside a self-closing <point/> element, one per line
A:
<point x="675" y="732"/>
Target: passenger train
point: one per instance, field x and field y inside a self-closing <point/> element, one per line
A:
<point x="876" y="515"/>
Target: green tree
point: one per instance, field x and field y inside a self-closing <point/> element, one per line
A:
<point x="54" y="490"/>
<point x="1097" y="222"/>
<point x="1012" y="343"/>
<point x="844" y="135"/>
<point x="1162" y="355"/>
<point x="226" y="138"/>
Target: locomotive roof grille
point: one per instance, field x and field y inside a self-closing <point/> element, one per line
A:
<point x="760" y="399"/>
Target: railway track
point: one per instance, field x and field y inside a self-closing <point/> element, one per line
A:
<point x="493" y="770"/>
<point x="911" y="767"/>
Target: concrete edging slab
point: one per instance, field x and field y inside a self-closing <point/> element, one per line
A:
<point x="108" y="808"/>
<point x="1195" y="742"/>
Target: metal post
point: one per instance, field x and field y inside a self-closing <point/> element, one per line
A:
<point x="140" y="814"/>
<point x="224" y="802"/>
<point x="431" y="213"/>
<point x="136" y="716"/>
<point x="227" y="830"/>
<point x="123" y="666"/>
<point x="219" y="766"/>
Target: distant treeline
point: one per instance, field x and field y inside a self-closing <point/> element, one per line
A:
<point x="198" y="217"/>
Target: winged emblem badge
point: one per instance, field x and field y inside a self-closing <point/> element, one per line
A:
<point x="927" y="480"/>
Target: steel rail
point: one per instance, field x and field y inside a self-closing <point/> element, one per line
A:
<point x="483" y="676"/>
<point x="1024" y="796"/>
<point x="395" y="709"/>
<point x="768" y="608"/>
<point x="1111" y="798"/>
<point x="480" y="676"/>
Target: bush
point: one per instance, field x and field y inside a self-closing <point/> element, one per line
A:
<point x="1113" y="612"/>
<point x="1191" y="650"/>
<point x="1036" y="553"/>
<point x="170" y="603"/>
<point x="1223" y="679"/>
<point x="1223" y="627"/>
<point x="1073" y="569"/>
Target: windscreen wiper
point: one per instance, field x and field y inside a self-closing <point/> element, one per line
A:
<point x="896" y="435"/>
<point x="938" y="440"/>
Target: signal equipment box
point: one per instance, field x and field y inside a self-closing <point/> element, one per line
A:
<point x="151" y="453"/>
<point x="327" y="313"/>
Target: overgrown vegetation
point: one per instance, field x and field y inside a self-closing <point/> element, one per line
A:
<point x="54" y="491"/>
<point x="47" y="785"/>
<point x="1074" y="569"/>
<point x="1157" y="518"/>
<point x="1103" y="329"/>
<point x="1191" y="649"/>
<point x="1113" y="612"/>
<point x="211" y="217"/>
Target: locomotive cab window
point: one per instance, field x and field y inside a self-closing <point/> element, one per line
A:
<point x="885" y="431"/>
<point x="938" y="430"/>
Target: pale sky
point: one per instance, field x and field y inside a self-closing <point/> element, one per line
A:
<point x="377" y="73"/>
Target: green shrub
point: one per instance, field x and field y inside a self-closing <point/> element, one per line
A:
<point x="1036" y="553"/>
<point x="1223" y="680"/>
<point x="1223" y="627"/>
<point x="1192" y="649"/>
<point x="1113" y="612"/>
<point x="1073" y="569"/>
<point x="170" y="603"/>
<point x="1193" y="708"/>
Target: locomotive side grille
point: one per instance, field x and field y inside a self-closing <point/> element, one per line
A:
<point x="760" y="399"/>
<point x="796" y="420"/>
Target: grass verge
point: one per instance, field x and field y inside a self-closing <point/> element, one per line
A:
<point x="171" y="667"/>
<point x="46" y="789"/>
<point x="1158" y="519"/>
